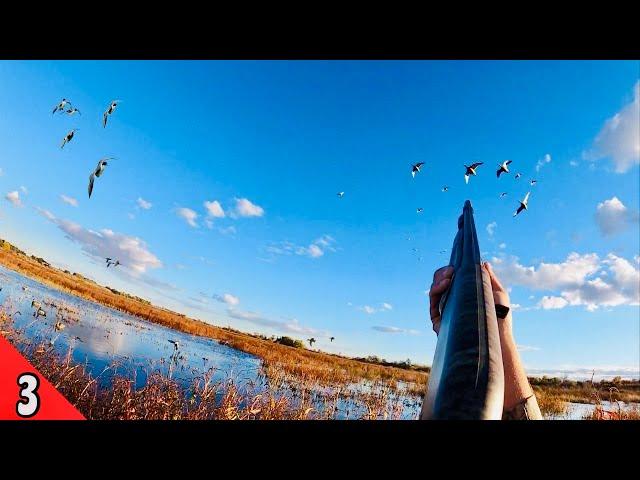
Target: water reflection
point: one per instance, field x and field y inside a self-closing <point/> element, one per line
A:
<point x="99" y="336"/>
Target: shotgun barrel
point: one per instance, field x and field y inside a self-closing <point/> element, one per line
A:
<point x="467" y="377"/>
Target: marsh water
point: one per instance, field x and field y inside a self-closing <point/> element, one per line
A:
<point x="110" y="342"/>
<point x="100" y="337"/>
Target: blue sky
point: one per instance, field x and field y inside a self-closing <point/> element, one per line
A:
<point x="273" y="142"/>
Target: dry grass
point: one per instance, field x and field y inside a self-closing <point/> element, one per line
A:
<point x="324" y="367"/>
<point x="550" y="405"/>
<point x="277" y="394"/>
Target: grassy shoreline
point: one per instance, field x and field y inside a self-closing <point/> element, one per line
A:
<point x="296" y="360"/>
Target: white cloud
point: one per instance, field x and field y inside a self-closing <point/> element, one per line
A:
<point x="230" y="230"/>
<point x="285" y="326"/>
<point x="24" y="190"/>
<point x="502" y="245"/>
<point x="46" y="213"/>
<point x="491" y="228"/>
<point x="612" y="217"/>
<point x="188" y="216"/>
<point x="619" y="138"/>
<point x="384" y="329"/>
<point x="314" y="250"/>
<point x="142" y="203"/>
<point x="1" y="172"/>
<point x="552" y="303"/>
<point x="573" y="163"/>
<point x="578" y="281"/>
<point x="245" y="208"/>
<point x="132" y="252"/>
<point x="543" y="161"/>
<point x="14" y="198"/>
<point x="214" y="209"/>
<point x="227" y="298"/>
<point x="69" y="200"/>
<point x="368" y="309"/>
<point x="548" y="276"/>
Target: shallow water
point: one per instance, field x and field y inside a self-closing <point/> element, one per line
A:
<point x="577" y="411"/>
<point x="99" y="336"/>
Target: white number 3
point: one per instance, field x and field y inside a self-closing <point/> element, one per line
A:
<point x="29" y="402"/>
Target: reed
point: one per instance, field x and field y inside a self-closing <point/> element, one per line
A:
<point x="322" y="365"/>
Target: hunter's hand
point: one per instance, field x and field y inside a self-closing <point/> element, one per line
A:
<point x="500" y="296"/>
<point x="441" y="282"/>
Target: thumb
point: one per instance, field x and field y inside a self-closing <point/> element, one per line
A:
<point x="495" y="283"/>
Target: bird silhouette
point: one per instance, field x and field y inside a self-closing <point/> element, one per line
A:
<point x="96" y="173"/>
<point x="108" y="112"/>
<point x="68" y="137"/>
<point x="61" y="106"/>
<point x="471" y="170"/>
<point x="523" y="204"/>
<point x="503" y="168"/>
<point x="416" y="168"/>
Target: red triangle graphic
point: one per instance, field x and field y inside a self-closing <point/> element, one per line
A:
<point x="35" y="398"/>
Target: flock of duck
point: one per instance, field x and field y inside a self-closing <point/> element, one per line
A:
<point x="472" y="171"/>
<point x="65" y="106"/>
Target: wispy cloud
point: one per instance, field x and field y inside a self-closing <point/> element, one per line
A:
<point x="226" y="298"/>
<point x="619" y="138"/>
<point x="69" y="200"/>
<point x="385" y="329"/>
<point x="214" y="209"/>
<point x="384" y="307"/>
<point x="285" y="326"/>
<point x="188" y="216"/>
<point x="143" y="204"/>
<point x="491" y="228"/>
<point x="24" y="189"/>
<point x="14" y="198"/>
<point x="133" y="253"/>
<point x="612" y="217"/>
<point x="230" y="230"/>
<point x="315" y="249"/>
<point x="245" y="208"/>
<point x="543" y="161"/>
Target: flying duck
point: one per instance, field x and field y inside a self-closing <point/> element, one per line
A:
<point x="471" y="170"/>
<point x="96" y="173"/>
<point x="503" y="168"/>
<point x="523" y="204"/>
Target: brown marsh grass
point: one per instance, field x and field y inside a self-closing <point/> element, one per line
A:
<point x="325" y="367"/>
<point x="283" y="396"/>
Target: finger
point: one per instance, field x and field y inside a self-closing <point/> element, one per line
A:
<point x="495" y="283"/>
<point x="436" y="325"/>
<point x="442" y="273"/>
<point x="435" y="294"/>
